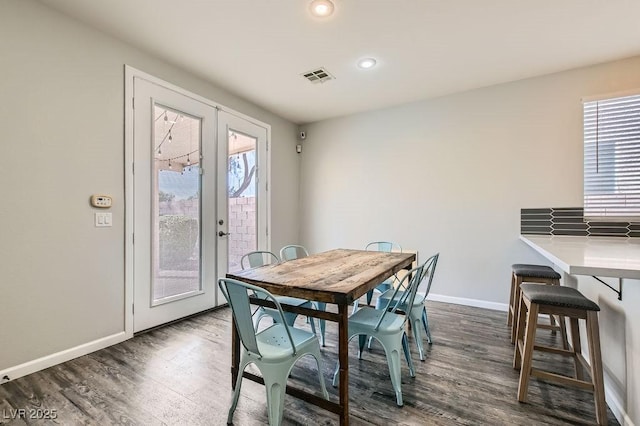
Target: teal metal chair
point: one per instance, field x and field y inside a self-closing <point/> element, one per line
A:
<point x="384" y="246"/>
<point x="256" y="259"/>
<point x="291" y="252"/>
<point x="418" y="312"/>
<point x="387" y="326"/>
<point x="274" y="350"/>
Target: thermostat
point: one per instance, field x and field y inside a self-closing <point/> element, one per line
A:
<point x="101" y="201"/>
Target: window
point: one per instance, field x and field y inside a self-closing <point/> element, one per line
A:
<point x="612" y="159"/>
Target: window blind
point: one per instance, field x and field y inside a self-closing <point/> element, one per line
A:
<point x="612" y="159"/>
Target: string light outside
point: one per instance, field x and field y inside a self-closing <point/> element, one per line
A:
<point x="168" y="138"/>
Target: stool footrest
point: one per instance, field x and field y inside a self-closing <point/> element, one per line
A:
<point x="583" y="362"/>
<point x="549" y="327"/>
<point x="557" y="351"/>
<point x="561" y="379"/>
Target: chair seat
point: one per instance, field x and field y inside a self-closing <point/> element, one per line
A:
<point x="383" y="299"/>
<point x="293" y="301"/>
<point x="367" y="318"/>
<point x="290" y="317"/>
<point x="537" y="271"/>
<point x="274" y="345"/>
<point x="553" y="295"/>
<point x="385" y="285"/>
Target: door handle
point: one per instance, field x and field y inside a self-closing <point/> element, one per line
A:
<point x="222" y="233"/>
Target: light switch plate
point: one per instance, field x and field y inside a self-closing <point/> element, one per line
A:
<point x="103" y="220"/>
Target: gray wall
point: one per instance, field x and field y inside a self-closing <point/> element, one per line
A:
<point x="62" y="121"/>
<point x="451" y="174"/>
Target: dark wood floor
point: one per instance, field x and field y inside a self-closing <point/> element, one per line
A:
<point x="179" y="375"/>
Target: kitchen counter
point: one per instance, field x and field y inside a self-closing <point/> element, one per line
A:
<point x="597" y="256"/>
<point x="609" y="259"/>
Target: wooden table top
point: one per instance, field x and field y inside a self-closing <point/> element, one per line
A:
<point x="337" y="276"/>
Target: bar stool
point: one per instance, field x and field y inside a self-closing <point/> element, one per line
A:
<point x="568" y="302"/>
<point x="532" y="274"/>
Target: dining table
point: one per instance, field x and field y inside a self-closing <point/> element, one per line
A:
<point x="338" y="277"/>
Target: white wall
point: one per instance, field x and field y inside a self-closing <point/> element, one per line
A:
<point x="62" y="121"/>
<point x="450" y="175"/>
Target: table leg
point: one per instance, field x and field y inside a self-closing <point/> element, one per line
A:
<point x="235" y="353"/>
<point x="343" y="357"/>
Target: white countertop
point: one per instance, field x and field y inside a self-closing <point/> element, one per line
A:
<point x="599" y="256"/>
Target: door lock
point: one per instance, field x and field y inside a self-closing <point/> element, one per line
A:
<point x="221" y="222"/>
<point x="222" y="233"/>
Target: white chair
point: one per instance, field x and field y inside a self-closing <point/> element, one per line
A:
<point x="273" y="350"/>
<point x="387" y="326"/>
<point x="291" y="252"/>
<point x="256" y="259"/>
<point x="418" y="312"/>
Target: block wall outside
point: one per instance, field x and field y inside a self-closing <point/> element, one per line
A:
<point x="241" y="224"/>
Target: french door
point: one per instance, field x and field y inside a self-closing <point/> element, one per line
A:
<point x="199" y="200"/>
<point x="243" y="154"/>
<point x="174" y="199"/>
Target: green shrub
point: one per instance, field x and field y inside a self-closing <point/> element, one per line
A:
<point x="179" y="242"/>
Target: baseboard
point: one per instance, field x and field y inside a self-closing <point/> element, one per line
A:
<point x="469" y="302"/>
<point x="617" y="408"/>
<point x="12" y="373"/>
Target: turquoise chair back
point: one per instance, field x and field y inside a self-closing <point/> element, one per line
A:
<point x="256" y="259"/>
<point x="237" y="294"/>
<point x="385" y="246"/>
<point x="293" y="251"/>
<point x="430" y="265"/>
<point x="409" y="286"/>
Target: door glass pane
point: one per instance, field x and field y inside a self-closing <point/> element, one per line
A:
<point x="242" y="190"/>
<point x="176" y="207"/>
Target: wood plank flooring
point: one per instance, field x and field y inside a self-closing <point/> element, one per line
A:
<point x="180" y="375"/>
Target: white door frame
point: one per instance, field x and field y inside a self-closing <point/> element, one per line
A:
<point x="129" y="74"/>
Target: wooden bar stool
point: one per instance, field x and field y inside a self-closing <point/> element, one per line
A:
<point x="523" y="273"/>
<point x="568" y="302"/>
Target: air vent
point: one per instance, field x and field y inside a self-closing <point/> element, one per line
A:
<point x="319" y="75"/>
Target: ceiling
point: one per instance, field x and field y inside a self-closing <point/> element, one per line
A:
<point x="258" y="49"/>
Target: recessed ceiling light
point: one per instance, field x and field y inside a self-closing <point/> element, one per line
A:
<point x="366" y="63"/>
<point x="321" y="8"/>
